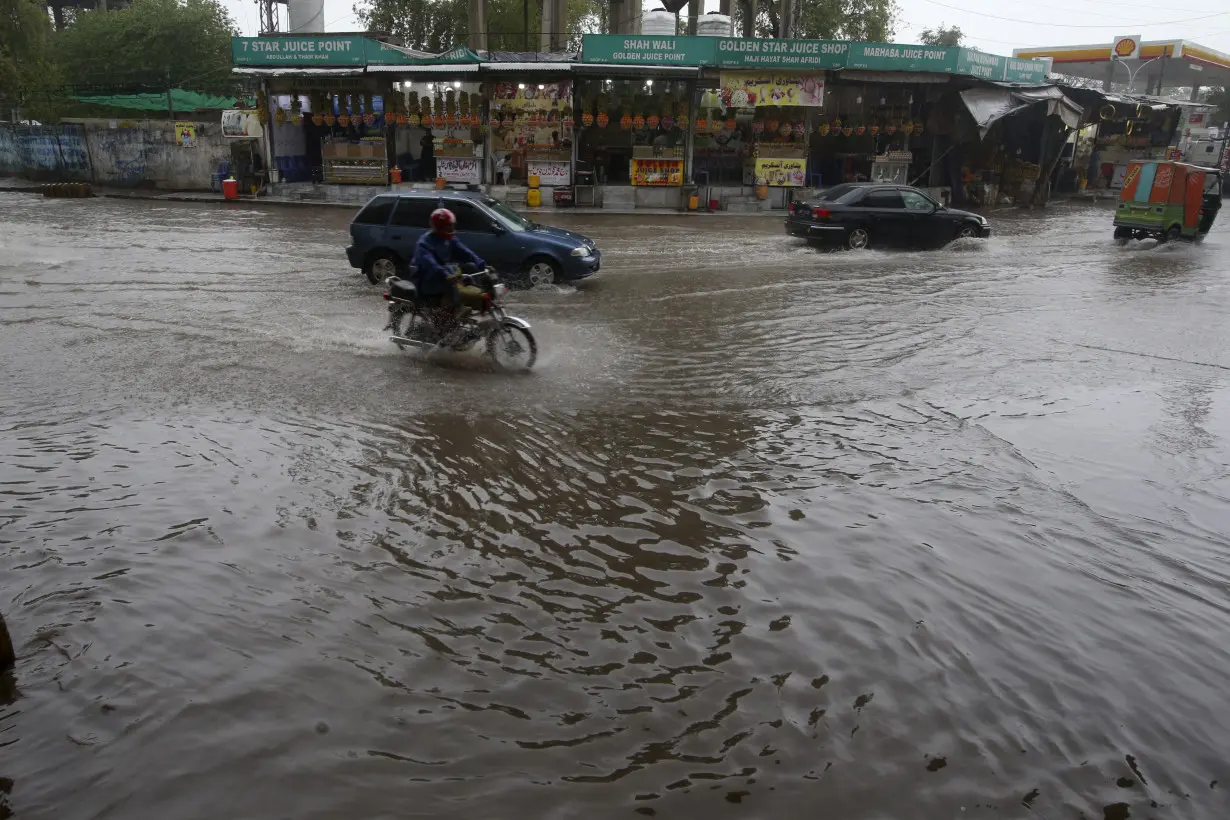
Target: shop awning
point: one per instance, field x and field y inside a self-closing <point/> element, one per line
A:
<point x="523" y="67"/>
<point x="181" y="101"/>
<point x="610" y="70"/>
<point x="427" y="70"/>
<point x="298" y="72"/>
<point x="989" y="105"/>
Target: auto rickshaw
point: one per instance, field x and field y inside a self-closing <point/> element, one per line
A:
<point x="1167" y="201"/>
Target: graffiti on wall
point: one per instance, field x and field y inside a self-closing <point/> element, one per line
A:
<point x="44" y="152"/>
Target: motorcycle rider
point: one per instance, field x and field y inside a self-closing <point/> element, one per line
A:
<point x="439" y="260"/>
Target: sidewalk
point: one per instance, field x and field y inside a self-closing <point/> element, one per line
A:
<point x="11" y="185"/>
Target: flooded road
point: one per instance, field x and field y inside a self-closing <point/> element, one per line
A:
<point x="899" y="535"/>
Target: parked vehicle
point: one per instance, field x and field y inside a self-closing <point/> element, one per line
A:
<point x="870" y="214"/>
<point x="384" y="232"/>
<point x="1167" y="201"/>
<point x="506" y="339"/>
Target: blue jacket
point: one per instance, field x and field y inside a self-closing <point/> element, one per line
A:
<point x="433" y="257"/>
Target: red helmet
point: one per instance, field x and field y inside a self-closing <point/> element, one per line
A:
<point x="443" y="222"/>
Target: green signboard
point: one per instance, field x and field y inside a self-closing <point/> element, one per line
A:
<point x="644" y="49"/>
<point x="980" y="64"/>
<point x="379" y="53"/>
<point x="317" y="50"/>
<point x="737" y="52"/>
<point x="897" y="57"/>
<point x="1024" y="71"/>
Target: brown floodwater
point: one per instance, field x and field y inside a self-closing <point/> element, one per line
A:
<point x="767" y="533"/>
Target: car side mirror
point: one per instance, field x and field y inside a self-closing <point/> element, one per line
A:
<point x="497" y="227"/>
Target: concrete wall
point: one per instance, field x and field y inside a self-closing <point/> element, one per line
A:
<point x="44" y="152"/>
<point x="110" y="153"/>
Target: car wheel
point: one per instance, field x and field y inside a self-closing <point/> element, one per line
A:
<point x="1122" y="236"/>
<point x="1173" y="235"/>
<point x="381" y="265"/>
<point x="858" y="239"/>
<point x="540" y="270"/>
<point x="967" y="231"/>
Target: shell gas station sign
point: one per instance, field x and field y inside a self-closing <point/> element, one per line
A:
<point x="1125" y="47"/>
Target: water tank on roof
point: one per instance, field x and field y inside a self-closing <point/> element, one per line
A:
<point x="658" y="21"/>
<point x="306" y="16"/>
<point x="715" y="25"/>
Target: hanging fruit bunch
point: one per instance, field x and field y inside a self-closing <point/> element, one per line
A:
<point x="652" y="121"/>
<point x="638" y="122"/>
<point x="668" y="122"/>
<point x="569" y="122"/>
<point x="847" y="131"/>
<point x="860" y="129"/>
<point x="330" y="118"/>
<point x="874" y="129"/>
<point x="907" y="127"/>
<point x="786" y="129"/>
<point x="279" y="115"/>
<point x="799" y="130"/>
<point x="824" y="129"/>
<point x="918" y="129"/>
<point x="890" y="129"/>
<point x="757" y="127"/>
<point x="681" y="120"/>
<point x="262" y="107"/>
<point x="731" y="124"/>
<point x="625" y="122"/>
<point x="296" y="109"/>
<point x="587" y="119"/>
<point x="602" y="119"/>
<point x="771" y="126"/>
<point x="702" y="125"/>
<point x="369" y="110"/>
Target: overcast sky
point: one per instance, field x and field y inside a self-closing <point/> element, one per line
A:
<point x="997" y="26"/>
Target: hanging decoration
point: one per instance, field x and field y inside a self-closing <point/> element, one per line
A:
<point x="625" y="122"/>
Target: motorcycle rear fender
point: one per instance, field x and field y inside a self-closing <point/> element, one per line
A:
<point x="515" y="322"/>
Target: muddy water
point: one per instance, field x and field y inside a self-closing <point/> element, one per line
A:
<point x="896" y="535"/>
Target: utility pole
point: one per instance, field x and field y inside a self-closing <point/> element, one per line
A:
<point x="170" y="108"/>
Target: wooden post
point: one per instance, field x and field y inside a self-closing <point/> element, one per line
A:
<point x="8" y="658"/>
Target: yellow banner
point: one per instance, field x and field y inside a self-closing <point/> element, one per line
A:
<point x="657" y="172"/>
<point x="185" y="134"/>
<point x="749" y="89"/>
<point x="530" y="96"/>
<point x="781" y="173"/>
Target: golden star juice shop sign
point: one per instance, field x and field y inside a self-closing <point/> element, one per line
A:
<point x="750" y="89"/>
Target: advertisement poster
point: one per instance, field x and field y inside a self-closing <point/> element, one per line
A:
<point x="657" y="172"/>
<point x="531" y="96"/>
<point x="782" y="173"/>
<point x="237" y="123"/>
<point x="458" y="169"/>
<point x="749" y="89"/>
<point x="550" y="173"/>
<point x="185" y="134"/>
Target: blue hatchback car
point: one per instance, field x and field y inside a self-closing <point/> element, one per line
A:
<point x="384" y="233"/>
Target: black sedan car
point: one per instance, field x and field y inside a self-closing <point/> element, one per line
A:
<point x="874" y="215"/>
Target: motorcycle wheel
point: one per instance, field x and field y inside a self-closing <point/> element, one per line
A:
<point x="512" y="347"/>
<point x="411" y="325"/>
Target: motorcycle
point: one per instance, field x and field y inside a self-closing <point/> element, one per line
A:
<point x="507" y="339"/>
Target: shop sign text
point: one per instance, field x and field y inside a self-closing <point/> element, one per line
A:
<point x="895" y="57"/>
<point x="320" y="50"/>
<point x="735" y="52"/>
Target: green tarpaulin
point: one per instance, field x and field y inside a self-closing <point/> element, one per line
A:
<point x="182" y="101"/>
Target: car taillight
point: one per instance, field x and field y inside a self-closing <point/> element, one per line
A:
<point x="821" y="213"/>
<point x="386" y="296"/>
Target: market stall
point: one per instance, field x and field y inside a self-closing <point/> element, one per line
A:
<point x="1127" y="132"/>
<point x="780" y="103"/>
<point x="634" y="131"/>
<point x="531" y="130"/>
<point x="327" y="131"/>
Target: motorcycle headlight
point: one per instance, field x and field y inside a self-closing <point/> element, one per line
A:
<point x="582" y="251"/>
<point x="501" y="290"/>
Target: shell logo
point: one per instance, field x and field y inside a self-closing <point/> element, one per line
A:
<point x="1125" y="47"/>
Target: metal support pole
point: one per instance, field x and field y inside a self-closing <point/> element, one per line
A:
<point x="170" y="108"/>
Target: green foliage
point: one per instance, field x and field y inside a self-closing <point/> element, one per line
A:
<point x="25" y="71"/>
<point x="1220" y="97"/>
<point x="438" y="25"/>
<point x="136" y="47"/>
<point x="866" y="20"/>
<point x="942" y="36"/>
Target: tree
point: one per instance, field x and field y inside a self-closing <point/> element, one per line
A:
<point x="24" y="69"/>
<point x="866" y="20"/>
<point x="942" y="36"/>
<point x="1220" y="97"/>
<point x="137" y="48"/>
<point x="438" y="25"/>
